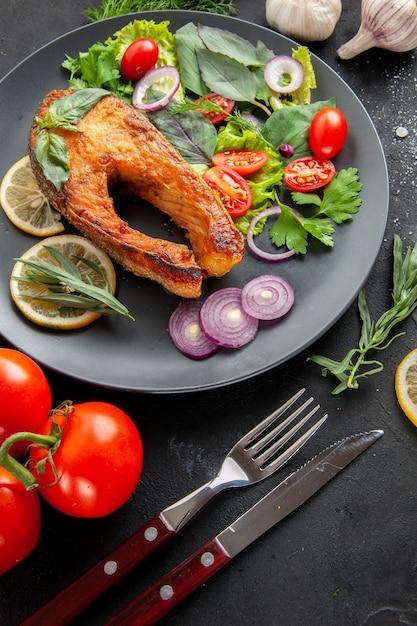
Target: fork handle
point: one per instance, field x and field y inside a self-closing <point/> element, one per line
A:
<point x="149" y="607"/>
<point x="81" y="593"/>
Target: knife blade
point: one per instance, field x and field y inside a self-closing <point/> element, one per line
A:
<point x="169" y="591"/>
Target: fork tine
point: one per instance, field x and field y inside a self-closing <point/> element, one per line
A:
<point x="257" y="430"/>
<point x="270" y="468"/>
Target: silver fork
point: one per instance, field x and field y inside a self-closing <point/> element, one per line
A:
<point x="254" y="457"/>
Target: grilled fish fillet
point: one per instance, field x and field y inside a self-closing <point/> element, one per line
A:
<point x="119" y="147"/>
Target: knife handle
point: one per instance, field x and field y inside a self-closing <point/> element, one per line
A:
<point x="163" y="596"/>
<point x="80" y="594"/>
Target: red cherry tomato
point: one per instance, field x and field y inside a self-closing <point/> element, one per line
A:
<point x="98" y="462"/>
<point x="327" y="133"/>
<point x="232" y="188"/>
<point x="225" y="103"/>
<point x="308" y="173"/>
<point x="244" y="161"/>
<point x="139" y="58"/>
<point x="25" y="396"/>
<point x="20" y="521"/>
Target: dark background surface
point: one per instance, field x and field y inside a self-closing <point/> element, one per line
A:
<point x="348" y="556"/>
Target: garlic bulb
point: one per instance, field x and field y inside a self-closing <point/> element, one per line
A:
<point x="307" y="20"/>
<point x="389" y="24"/>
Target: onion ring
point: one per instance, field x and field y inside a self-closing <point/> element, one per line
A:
<point x="150" y="78"/>
<point x="267" y="297"/>
<point x="224" y="321"/>
<point x="253" y="248"/>
<point x="278" y="68"/>
<point x="186" y="333"/>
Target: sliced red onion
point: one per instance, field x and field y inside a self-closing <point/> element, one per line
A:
<point x="281" y="68"/>
<point x="150" y="78"/>
<point x="186" y="333"/>
<point x="286" y="150"/>
<point x="257" y="252"/>
<point x="224" y="321"/>
<point x="267" y="297"/>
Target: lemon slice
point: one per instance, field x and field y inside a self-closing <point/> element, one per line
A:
<point x="24" y="203"/>
<point x="49" y="314"/>
<point x="406" y="385"/>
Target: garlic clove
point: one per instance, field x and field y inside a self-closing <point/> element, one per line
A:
<point x="305" y="20"/>
<point x="388" y="24"/>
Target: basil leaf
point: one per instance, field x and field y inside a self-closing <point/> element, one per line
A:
<point x="190" y="133"/>
<point x="51" y="153"/>
<point x="73" y="107"/>
<point x="226" y="76"/>
<point x="231" y="45"/>
<point x="291" y="125"/>
<point x="188" y="42"/>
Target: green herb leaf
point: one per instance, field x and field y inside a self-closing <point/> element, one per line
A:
<point x="112" y="8"/>
<point x="51" y="153"/>
<point x="376" y="335"/>
<point x="226" y="76"/>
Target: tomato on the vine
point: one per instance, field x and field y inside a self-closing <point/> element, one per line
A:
<point x="244" y="161"/>
<point x="25" y="396"/>
<point x="138" y="58"/>
<point x="20" y="521"/>
<point x="308" y="173"/>
<point x="216" y="117"/>
<point x="98" y="462"/>
<point x="232" y="188"/>
<point x="328" y="132"/>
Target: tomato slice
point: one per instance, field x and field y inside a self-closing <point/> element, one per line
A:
<point x="308" y="173"/>
<point x="216" y="117"/>
<point x="243" y="161"/>
<point x="232" y="188"/>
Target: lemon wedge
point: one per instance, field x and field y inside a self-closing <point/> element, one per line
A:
<point x="49" y="314"/>
<point x="406" y="385"/>
<point x="24" y="203"/>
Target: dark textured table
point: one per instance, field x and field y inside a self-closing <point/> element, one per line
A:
<point x="349" y="555"/>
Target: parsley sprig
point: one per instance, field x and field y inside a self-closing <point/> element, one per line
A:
<point x="340" y="200"/>
<point x="377" y="335"/>
<point x="67" y="287"/>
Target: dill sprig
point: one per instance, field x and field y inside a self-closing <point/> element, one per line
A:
<point x="66" y="285"/>
<point x="112" y="8"/>
<point x="377" y="335"/>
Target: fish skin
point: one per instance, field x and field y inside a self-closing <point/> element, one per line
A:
<point x="119" y="147"/>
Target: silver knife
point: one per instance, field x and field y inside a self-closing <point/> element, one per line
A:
<point x="170" y="590"/>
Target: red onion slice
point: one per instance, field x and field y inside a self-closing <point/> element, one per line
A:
<point x="186" y="333"/>
<point x="280" y="68"/>
<point x="224" y="321"/>
<point x="253" y="248"/>
<point x="267" y="297"/>
<point x="150" y="78"/>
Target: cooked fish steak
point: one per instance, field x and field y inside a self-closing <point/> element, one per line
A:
<point x="119" y="147"/>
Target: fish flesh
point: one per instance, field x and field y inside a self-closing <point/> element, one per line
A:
<point x="119" y="148"/>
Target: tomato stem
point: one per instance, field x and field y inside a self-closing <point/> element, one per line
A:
<point x="13" y="466"/>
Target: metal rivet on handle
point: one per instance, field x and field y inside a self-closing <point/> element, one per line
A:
<point x="151" y="533"/>
<point x="207" y="559"/>
<point x="110" y="568"/>
<point x="166" y="592"/>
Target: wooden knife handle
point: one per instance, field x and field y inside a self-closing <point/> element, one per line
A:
<point x="158" y="600"/>
<point x="80" y="594"/>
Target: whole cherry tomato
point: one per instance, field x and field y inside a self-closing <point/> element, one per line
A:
<point x="308" y="173"/>
<point x="140" y="57"/>
<point x="244" y="161"/>
<point x="328" y="132"/>
<point x="231" y="187"/>
<point x="20" y="521"/>
<point x="216" y="117"/>
<point x="98" y="462"/>
<point x="25" y="396"/>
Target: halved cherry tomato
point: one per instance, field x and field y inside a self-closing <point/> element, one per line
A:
<point x="98" y="462"/>
<point x="225" y="103"/>
<point x="327" y="133"/>
<point x="243" y="161"/>
<point x="308" y="173"/>
<point x="232" y="188"/>
<point x="20" y="521"/>
<point x="139" y="58"/>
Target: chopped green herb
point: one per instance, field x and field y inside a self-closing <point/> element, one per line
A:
<point x="112" y="8"/>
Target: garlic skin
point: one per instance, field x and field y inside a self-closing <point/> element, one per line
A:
<point x="388" y="24"/>
<point x="305" y="20"/>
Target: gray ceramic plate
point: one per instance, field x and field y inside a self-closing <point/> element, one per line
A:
<point x="139" y="356"/>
